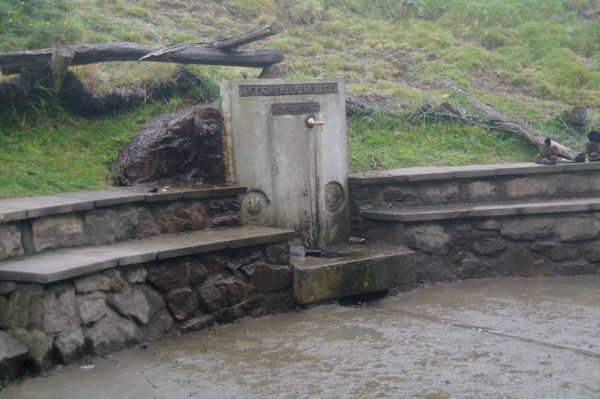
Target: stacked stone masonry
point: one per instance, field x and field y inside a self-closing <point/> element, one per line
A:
<point x="100" y="226"/>
<point x="490" y="189"/>
<point x="553" y="242"/>
<point x="494" y="247"/>
<point x="101" y="312"/>
<point x="95" y="313"/>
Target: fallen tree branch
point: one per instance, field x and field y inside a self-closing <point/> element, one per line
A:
<point x="170" y="49"/>
<point x="223" y="44"/>
<point x="11" y="63"/>
<point x="245" y="38"/>
<point x="499" y="120"/>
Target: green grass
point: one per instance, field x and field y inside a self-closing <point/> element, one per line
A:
<point x="541" y="47"/>
<point x="531" y="58"/>
<point x="58" y="151"/>
<point x="381" y="141"/>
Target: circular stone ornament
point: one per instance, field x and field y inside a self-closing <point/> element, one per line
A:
<point x="334" y="197"/>
<point x="255" y="205"/>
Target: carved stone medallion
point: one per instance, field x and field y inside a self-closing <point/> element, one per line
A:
<point x="255" y="205"/>
<point x="334" y="197"/>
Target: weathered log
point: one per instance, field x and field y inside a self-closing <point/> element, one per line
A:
<point x="501" y="121"/>
<point x="59" y="64"/>
<point x="223" y="44"/>
<point x="245" y="38"/>
<point x="124" y="51"/>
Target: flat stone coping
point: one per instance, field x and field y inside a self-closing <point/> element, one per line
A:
<point x="353" y="273"/>
<point x="425" y="173"/>
<point x="20" y="208"/>
<point x="426" y="213"/>
<point x="67" y="263"/>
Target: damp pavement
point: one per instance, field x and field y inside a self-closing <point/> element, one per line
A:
<point x="497" y="338"/>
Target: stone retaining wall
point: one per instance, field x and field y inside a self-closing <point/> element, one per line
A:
<point x="475" y="190"/>
<point x="110" y="310"/>
<point x="559" y="244"/>
<point x="117" y="223"/>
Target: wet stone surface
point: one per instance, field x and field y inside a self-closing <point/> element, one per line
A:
<point x="516" y="246"/>
<point x="119" y="223"/>
<point x="410" y="186"/>
<point x="509" y="338"/>
<point x="118" y="308"/>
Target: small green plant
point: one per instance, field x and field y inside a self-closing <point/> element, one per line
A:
<point x="380" y="70"/>
<point x="250" y="9"/>
<point x="139" y="12"/>
<point x="493" y="37"/>
<point x="307" y="12"/>
<point x="559" y="130"/>
<point x="6" y="381"/>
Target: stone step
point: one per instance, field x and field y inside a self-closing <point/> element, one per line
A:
<point x="32" y="225"/>
<point x="424" y="186"/>
<point x="21" y="208"/>
<point x="432" y="213"/>
<point x="64" y="264"/>
<point x="425" y="173"/>
<point x="353" y="272"/>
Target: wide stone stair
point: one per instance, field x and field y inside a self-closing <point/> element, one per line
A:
<point x="89" y="272"/>
<point x="485" y="220"/>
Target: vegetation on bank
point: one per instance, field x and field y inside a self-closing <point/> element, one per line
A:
<point x="531" y="58"/>
<point x="381" y="142"/>
<point x="60" y="151"/>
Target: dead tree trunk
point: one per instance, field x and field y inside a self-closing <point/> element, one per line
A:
<point x="245" y="38"/>
<point x="221" y="44"/>
<point x="216" y="53"/>
<point x="11" y="63"/>
<point x="501" y="121"/>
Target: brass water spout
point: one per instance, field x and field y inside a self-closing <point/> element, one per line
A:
<point x="312" y="122"/>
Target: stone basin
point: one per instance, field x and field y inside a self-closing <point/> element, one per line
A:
<point x="347" y="271"/>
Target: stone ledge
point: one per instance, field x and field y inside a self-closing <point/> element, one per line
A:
<point x="465" y="172"/>
<point x="430" y="213"/>
<point x="365" y="271"/>
<point x="68" y="263"/>
<point x="15" y="209"/>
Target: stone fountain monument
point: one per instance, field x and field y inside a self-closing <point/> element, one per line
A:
<point x="287" y="142"/>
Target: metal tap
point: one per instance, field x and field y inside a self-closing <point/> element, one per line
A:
<point x="311" y="122"/>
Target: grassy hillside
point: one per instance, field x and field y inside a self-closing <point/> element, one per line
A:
<point x="531" y="58"/>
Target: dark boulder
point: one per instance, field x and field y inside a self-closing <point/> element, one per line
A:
<point x="182" y="146"/>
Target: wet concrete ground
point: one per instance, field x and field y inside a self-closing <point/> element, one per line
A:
<point x="513" y="338"/>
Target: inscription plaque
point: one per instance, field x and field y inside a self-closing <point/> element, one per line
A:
<point x="288" y="89"/>
<point x="295" y="108"/>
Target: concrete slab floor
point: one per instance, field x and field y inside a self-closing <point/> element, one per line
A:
<point x="508" y="338"/>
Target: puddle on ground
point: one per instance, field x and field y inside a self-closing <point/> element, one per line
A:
<point x="513" y="338"/>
